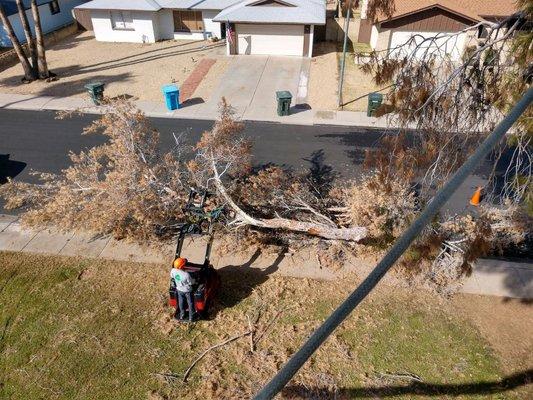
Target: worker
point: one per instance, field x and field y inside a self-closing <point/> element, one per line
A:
<point x="184" y="289"/>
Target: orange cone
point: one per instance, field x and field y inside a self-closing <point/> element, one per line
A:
<point x="476" y="198"/>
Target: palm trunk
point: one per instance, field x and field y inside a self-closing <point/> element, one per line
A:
<point x="41" y="54"/>
<point x="28" y="34"/>
<point x="28" y="70"/>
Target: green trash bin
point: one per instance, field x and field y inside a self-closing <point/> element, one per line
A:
<point x="374" y="102"/>
<point x="96" y="91"/>
<point x="284" y="99"/>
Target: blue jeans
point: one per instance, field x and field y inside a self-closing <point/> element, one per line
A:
<point x="186" y="297"/>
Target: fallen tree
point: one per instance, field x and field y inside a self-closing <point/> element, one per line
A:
<point x="128" y="188"/>
<point x="222" y="151"/>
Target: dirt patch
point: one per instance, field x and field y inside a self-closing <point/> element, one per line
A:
<point x="506" y="324"/>
<point x="324" y="80"/>
<point x="323" y="77"/>
<point x="357" y="85"/>
<point x="133" y="70"/>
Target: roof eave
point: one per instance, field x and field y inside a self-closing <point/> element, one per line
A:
<point x="471" y="18"/>
<point x="81" y="7"/>
<point x="248" y="21"/>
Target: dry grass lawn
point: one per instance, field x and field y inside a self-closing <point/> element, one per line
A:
<point x="128" y="69"/>
<point x="324" y="80"/>
<point x="357" y="84"/>
<point x="94" y="329"/>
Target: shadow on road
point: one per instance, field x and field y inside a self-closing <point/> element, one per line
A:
<point x="9" y="168"/>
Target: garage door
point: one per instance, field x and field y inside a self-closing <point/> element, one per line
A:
<point x="283" y="40"/>
<point x="453" y="47"/>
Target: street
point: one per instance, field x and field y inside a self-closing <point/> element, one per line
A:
<point x="43" y="142"/>
<point x="37" y="141"/>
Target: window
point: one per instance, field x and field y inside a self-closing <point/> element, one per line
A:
<point x="188" y="21"/>
<point x="54" y="7"/>
<point x="482" y="32"/>
<point x="122" y="20"/>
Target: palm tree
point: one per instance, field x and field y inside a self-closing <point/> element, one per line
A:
<point x="29" y="73"/>
<point x="29" y="36"/>
<point x="41" y="55"/>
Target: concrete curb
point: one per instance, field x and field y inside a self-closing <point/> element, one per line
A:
<point x="158" y="110"/>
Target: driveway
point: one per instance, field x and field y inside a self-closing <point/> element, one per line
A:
<point x="250" y="84"/>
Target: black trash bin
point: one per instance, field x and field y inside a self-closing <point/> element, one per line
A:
<point x="284" y="99"/>
<point x="374" y="102"/>
<point x="96" y="91"/>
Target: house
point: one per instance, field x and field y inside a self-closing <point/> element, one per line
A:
<point x="54" y="15"/>
<point x="427" y="18"/>
<point x="270" y="27"/>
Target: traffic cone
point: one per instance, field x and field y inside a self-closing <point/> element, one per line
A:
<point x="476" y="198"/>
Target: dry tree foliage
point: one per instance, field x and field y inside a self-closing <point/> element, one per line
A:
<point x="451" y="99"/>
<point x="377" y="8"/>
<point x="465" y="239"/>
<point x="124" y="187"/>
<point x="386" y="207"/>
<point x="511" y="229"/>
<point x="222" y="160"/>
<point x="127" y="188"/>
<point x="445" y="253"/>
<point x="445" y="101"/>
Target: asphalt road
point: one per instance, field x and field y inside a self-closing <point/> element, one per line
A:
<point x="37" y="141"/>
<point x="43" y="142"/>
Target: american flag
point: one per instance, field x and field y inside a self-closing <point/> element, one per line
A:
<point x="229" y="33"/>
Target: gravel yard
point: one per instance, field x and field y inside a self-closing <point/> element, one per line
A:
<point x="324" y="80"/>
<point x="323" y="77"/>
<point x="357" y="85"/>
<point x="129" y="69"/>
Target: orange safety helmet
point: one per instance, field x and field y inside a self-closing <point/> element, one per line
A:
<point x="179" y="263"/>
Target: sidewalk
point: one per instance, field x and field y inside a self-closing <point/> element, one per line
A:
<point x="203" y="111"/>
<point x="490" y="277"/>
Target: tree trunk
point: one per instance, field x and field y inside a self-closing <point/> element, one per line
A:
<point x="41" y="54"/>
<point x="29" y="35"/>
<point x="28" y="70"/>
<point x="355" y="234"/>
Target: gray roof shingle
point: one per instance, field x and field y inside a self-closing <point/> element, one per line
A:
<point x="156" y="5"/>
<point x="297" y="11"/>
<point x="133" y="5"/>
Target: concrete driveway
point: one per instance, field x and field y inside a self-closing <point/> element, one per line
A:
<point x="250" y="84"/>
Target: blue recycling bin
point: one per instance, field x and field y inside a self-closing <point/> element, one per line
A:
<point x="172" y="96"/>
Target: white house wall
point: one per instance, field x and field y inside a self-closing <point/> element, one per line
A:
<point x="441" y="42"/>
<point x="144" y="23"/>
<point x="374" y="35"/>
<point x="166" y="27"/>
<point x="49" y="22"/>
<point x="210" y="27"/>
